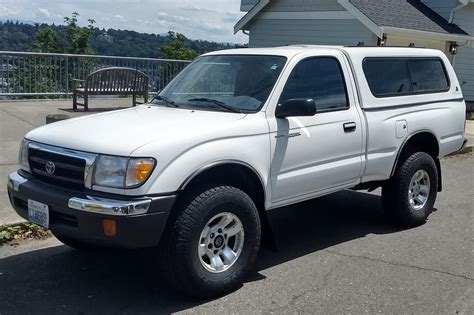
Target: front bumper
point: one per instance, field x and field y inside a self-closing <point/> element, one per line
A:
<point x="79" y="215"/>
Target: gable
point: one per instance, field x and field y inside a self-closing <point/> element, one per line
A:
<point x="401" y="17"/>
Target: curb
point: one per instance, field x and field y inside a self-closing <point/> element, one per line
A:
<point x="56" y="117"/>
<point x="467" y="149"/>
<point x="13" y="223"/>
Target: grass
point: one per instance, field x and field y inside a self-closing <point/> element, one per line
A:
<point x="22" y="231"/>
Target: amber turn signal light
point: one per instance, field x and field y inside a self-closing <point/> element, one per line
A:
<point x="142" y="171"/>
<point x="138" y="170"/>
<point x="109" y="227"/>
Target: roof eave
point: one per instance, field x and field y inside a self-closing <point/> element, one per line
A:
<point x="389" y="30"/>
<point x="245" y="20"/>
<point x="374" y="28"/>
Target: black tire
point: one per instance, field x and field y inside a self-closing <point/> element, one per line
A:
<point x="395" y="198"/>
<point x="178" y="254"/>
<point x="75" y="243"/>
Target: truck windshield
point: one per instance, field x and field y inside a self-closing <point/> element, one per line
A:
<point x="234" y="83"/>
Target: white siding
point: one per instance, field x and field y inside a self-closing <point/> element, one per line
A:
<point x="270" y="33"/>
<point x="464" y="65"/>
<point x="442" y="7"/>
<point x="303" y="6"/>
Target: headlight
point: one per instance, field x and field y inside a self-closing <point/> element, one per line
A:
<point x="23" y="156"/>
<point x="120" y="172"/>
<point x="110" y="171"/>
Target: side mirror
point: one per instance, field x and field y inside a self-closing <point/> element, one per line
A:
<point x="296" y="107"/>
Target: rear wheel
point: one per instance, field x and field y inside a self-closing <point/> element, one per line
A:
<point x="212" y="242"/>
<point x="408" y="198"/>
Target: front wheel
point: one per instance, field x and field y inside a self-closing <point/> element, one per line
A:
<point x="408" y="198"/>
<point x="212" y="242"/>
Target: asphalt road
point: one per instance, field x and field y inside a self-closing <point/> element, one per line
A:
<point x="337" y="255"/>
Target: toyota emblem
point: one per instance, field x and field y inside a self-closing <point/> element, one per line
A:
<point x="50" y="167"/>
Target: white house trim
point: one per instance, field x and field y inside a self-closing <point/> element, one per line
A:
<point x="374" y="28"/>
<point x="459" y="7"/>
<point x="423" y="34"/>
<point x="326" y="15"/>
<point x="242" y="23"/>
<point x="246" y="7"/>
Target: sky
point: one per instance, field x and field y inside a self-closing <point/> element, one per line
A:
<point x="201" y="19"/>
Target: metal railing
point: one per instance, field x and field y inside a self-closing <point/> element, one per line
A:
<point x="29" y="74"/>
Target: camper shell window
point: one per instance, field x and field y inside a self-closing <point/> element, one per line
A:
<point x="405" y="76"/>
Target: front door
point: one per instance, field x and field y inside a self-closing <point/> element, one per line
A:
<point x="313" y="155"/>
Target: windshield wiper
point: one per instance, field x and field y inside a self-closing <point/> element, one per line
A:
<point x="167" y="101"/>
<point x="215" y="102"/>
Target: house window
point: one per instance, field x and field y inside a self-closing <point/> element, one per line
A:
<point x="405" y="76"/>
<point x="320" y="79"/>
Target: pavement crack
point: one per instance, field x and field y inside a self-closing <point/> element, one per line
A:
<point x="322" y="286"/>
<point x="18" y="117"/>
<point x="9" y="164"/>
<point x="400" y="264"/>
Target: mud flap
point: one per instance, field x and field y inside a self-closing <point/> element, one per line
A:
<point x="440" y="182"/>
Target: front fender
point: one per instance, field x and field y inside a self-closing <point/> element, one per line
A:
<point x="250" y="150"/>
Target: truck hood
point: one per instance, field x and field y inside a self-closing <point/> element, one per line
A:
<point x="122" y="132"/>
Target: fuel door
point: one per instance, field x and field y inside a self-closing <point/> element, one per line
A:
<point x="401" y="129"/>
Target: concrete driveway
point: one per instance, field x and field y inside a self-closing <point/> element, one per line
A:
<point x="337" y="255"/>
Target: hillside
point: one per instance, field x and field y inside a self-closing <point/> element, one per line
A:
<point x="16" y="36"/>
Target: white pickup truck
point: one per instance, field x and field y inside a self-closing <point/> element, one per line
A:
<point x="235" y="134"/>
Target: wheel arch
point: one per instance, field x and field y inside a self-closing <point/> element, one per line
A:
<point x="234" y="164"/>
<point x="420" y="141"/>
<point x="240" y="175"/>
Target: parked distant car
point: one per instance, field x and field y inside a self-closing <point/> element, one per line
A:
<point x="4" y="83"/>
<point x="7" y="68"/>
<point x="4" y="88"/>
<point x="237" y="133"/>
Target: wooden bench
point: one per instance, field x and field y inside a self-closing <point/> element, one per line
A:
<point x="112" y="81"/>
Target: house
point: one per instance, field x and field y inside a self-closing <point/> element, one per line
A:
<point x="447" y="25"/>
<point x="105" y="37"/>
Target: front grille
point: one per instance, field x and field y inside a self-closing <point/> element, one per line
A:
<point x="68" y="171"/>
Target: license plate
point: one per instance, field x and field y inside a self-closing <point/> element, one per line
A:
<point x="38" y="213"/>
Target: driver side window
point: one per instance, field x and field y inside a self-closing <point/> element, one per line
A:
<point x="320" y="79"/>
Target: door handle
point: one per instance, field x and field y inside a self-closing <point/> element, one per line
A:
<point x="350" y="127"/>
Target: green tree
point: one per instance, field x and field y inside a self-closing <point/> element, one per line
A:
<point x="70" y="38"/>
<point x="78" y="38"/>
<point x="47" y="40"/>
<point x="177" y="47"/>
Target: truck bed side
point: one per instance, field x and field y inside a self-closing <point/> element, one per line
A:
<point x="393" y="121"/>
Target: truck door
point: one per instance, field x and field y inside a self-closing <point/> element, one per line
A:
<point x="322" y="153"/>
